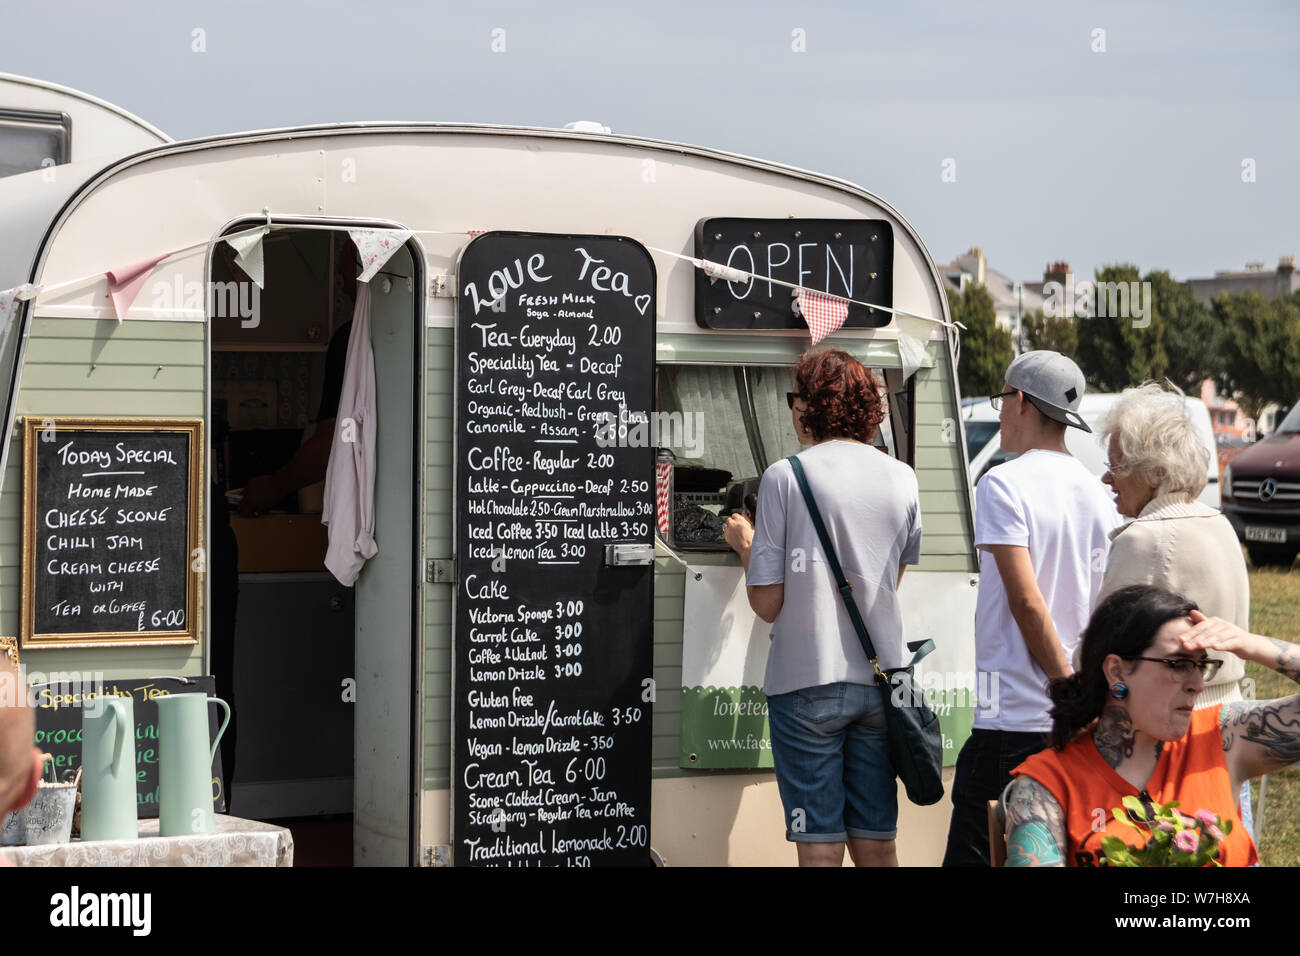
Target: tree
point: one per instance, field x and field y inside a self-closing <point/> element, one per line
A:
<point x="985" y="346"/>
<point x="1119" y="348"/>
<point x="1193" y="341"/>
<point x="1051" y="332"/>
<point x="1261" y="348"/>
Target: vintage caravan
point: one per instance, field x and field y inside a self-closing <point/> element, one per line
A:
<point x="548" y="657"/>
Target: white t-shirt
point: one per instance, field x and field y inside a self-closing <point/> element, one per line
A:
<point x="1049" y="503"/>
<point x="871" y="507"/>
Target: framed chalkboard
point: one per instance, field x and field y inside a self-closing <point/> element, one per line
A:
<point x="111" y="519"/>
<point x="553" y="650"/>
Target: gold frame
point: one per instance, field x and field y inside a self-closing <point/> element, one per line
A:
<point x="32" y="425"/>
<point x="9" y="648"/>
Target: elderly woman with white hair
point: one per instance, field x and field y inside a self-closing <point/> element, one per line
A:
<point x="1156" y="466"/>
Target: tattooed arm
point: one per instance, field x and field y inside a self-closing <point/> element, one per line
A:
<point x="1035" y="824"/>
<point x="1258" y="736"/>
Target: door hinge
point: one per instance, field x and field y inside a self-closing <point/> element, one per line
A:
<point x="439" y="855"/>
<point x="440" y="571"/>
<point x="443" y="286"/>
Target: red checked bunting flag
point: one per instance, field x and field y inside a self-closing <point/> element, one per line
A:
<point x="823" y="313"/>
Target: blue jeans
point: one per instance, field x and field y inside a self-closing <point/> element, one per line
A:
<point x="832" y="763"/>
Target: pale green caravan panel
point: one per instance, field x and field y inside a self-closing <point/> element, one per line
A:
<point x="95" y="367"/>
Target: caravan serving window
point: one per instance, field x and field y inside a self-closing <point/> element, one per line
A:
<point x="30" y="139"/>
<point x="724" y="425"/>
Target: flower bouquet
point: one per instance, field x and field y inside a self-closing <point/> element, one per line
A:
<point x="1173" y="838"/>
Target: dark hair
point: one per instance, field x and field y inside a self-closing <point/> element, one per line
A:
<point x="1124" y="624"/>
<point x="841" y="396"/>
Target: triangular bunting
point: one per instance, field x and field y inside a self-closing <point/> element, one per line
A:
<point x="912" y="336"/>
<point x="125" y="283"/>
<point x="823" y="313"/>
<point x="248" y="255"/>
<point x="376" y="247"/>
<point x="716" y="271"/>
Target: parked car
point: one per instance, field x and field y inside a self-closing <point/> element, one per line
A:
<point x="981" y="420"/>
<point x="1261" y="495"/>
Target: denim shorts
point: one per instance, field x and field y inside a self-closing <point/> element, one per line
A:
<point x="831" y="754"/>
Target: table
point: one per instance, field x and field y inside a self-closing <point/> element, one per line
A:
<point x="235" y="842"/>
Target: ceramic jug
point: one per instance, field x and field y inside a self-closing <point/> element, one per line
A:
<point x="108" y="803"/>
<point x="185" y="763"/>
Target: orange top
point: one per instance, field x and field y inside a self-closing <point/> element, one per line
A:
<point x="1191" y="770"/>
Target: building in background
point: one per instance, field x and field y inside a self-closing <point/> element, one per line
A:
<point x="1281" y="281"/>
<point x="1012" y="299"/>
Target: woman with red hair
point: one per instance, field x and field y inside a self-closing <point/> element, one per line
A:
<point x="825" y="711"/>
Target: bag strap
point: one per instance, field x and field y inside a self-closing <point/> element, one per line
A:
<point x="841" y="581"/>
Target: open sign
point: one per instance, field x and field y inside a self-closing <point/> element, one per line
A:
<point x="853" y="258"/>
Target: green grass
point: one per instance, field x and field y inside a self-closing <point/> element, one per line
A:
<point x="1275" y="612"/>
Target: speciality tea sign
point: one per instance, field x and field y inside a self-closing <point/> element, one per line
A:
<point x="853" y="258"/>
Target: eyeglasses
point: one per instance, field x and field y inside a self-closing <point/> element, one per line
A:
<point x="1180" y="668"/>
<point x="996" y="400"/>
<point x="791" y="396"/>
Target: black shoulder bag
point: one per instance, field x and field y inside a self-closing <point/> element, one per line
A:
<point x="915" y="744"/>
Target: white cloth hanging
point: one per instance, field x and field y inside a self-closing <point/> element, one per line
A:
<point x="349" y="510"/>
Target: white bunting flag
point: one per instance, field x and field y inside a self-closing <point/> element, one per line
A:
<point x="376" y="247"/>
<point x="716" y="271"/>
<point x="912" y="336"/>
<point x="248" y="255"/>
<point x="823" y="313"/>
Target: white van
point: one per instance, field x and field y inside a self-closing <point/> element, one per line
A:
<point x="986" y="452"/>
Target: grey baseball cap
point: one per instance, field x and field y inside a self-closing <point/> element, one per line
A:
<point x="1052" y="382"/>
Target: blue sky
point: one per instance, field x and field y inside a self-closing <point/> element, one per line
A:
<point x="1061" y="152"/>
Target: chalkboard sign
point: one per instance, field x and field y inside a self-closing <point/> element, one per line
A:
<point x="853" y="258"/>
<point x="554" y="467"/>
<point x="58" y="727"/>
<point x="111" y="511"/>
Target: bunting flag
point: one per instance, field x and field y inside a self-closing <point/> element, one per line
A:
<point x="376" y="247"/>
<point x="716" y="271"/>
<point x="823" y="313"/>
<point x="248" y="255"/>
<point x="125" y="283"/>
<point x="911" y="343"/>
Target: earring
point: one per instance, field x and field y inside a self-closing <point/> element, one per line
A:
<point x="1118" y="691"/>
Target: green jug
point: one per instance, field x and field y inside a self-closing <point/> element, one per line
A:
<point x="185" y="763"/>
<point x="108" y="804"/>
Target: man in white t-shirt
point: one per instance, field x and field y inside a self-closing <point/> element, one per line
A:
<point x="1042" y="526"/>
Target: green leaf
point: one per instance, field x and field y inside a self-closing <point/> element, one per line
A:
<point x="1134" y="805"/>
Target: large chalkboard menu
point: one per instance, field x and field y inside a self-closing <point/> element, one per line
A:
<point x="59" y="723"/>
<point x="554" y="542"/>
<point x="111" y="511"/>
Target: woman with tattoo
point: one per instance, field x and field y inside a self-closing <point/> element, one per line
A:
<point x="1125" y="725"/>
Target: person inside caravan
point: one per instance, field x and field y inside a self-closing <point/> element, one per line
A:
<point x="825" y="710"/>
<point x="310" y="462"/>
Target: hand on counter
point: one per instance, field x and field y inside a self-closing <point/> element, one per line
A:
<point x="260" y="494"/>
<point x="739" y="532"/>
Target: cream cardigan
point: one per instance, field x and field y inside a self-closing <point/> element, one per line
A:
<point x="1179" y="544"/>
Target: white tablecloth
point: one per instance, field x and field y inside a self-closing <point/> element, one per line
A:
<point x="236" y="842"/>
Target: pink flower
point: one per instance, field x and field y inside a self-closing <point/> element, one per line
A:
<point x="1165" y="826"/>
<point x="1186" y="841"/>
<point x="1214" y="833"/>
<point x="1206" y="817"/>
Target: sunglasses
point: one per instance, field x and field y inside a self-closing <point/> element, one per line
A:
<point x="1180" y="668"/>
<point x="791" y="396"/>
<point x="996" y="400"/>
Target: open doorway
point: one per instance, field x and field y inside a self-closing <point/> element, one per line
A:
<point x="282" y="628"/>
